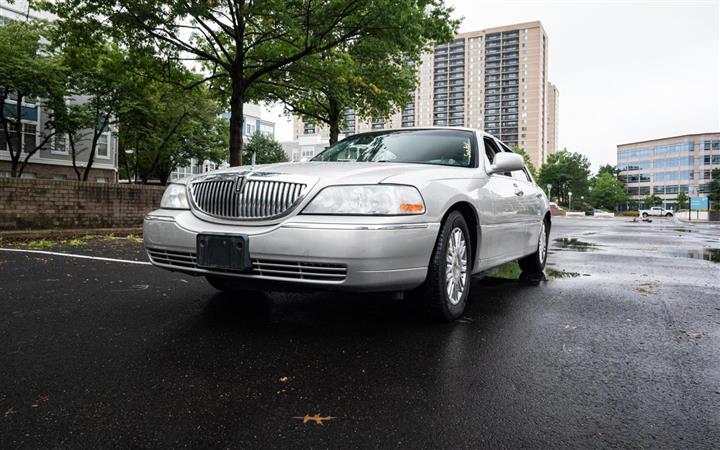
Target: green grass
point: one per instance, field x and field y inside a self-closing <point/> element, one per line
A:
<point x="132" y="238"/>
<point x="41" y="244"/>
<point x="75" y="242"/>
<point x="510" y="271"/>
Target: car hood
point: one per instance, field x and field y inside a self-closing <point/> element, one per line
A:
<point x="343" y="172"/>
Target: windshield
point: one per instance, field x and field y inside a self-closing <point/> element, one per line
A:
<point x="442" y="147"/>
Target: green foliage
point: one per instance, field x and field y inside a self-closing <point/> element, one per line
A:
<point x="610" y="169"/>
<point x="682" y="201"/>
<point x="164" y="125"/>
<point x="267" y="150"/>
<point x="244" y="45"/>
<point x="652" y="200"/>
<point x="607" y="191"/>
<point x="27" y="71"/>
<point x="374" y="76"/>
<point x="41" y="244"/>
<point x="528" y="163"/>
<point x="567" y="172"/>
<point x="714" y="188"/>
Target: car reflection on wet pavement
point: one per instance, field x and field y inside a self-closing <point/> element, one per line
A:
<point x="616" y="346"/>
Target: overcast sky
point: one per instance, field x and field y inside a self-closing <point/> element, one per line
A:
<point x="626" y="70"/>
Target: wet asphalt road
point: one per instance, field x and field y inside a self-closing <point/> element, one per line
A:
<point x="619" y="347"/>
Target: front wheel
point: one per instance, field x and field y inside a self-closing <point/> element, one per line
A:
<point x="535" y="263"/>
<point x="668" y="215"/>
<point x="645" y="214"/>
<point x="445" y="291"/>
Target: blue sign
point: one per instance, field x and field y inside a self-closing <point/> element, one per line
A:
<point x="698" y="203"/>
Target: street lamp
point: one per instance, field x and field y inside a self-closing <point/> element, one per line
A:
<point x="570" y="195"/>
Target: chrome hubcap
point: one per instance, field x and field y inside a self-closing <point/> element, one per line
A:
<point x="542" y="244"/>
<point x="456" y="266"/>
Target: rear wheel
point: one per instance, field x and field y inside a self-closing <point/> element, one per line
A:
<point x="668" y="215"/>
<point x="535" y="263"/>
<point x="445" y="291"/>
<point x="645" y="214"/>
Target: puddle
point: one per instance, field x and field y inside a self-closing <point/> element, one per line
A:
<point x="574" y="244"/>
<point x="707" y="254"/>
<point x="683" y="230"/>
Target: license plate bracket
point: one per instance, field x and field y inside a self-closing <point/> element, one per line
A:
<point x="224" y="252"/>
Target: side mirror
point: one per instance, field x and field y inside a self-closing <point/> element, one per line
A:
<point x="507" y="162"/>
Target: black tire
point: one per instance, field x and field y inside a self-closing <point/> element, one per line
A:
<point x="668" y="215"/>
<point x="645" y="214"/>
<point x="535" y="263"/>
<point x="221" y="284"/>
<point x="434" y="291"/>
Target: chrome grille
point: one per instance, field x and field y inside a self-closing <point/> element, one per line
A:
<point x="226" y="197"/>
<point x="262" y="268"/>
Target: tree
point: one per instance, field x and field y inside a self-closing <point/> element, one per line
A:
<point x="28" y="73"/>
<point x="714" y="187"/>
<point x="607" y="191"/>
<point x="374" y="77"/>
<point x="652" y="200"/>
<point x="682" y="200"/>
<point x="609" y="168"/>
<point x="567" y="172"/>
<point x="162" y="126"/>
<point x="266" y="149"/>
<point x="528" y="163"/>
<point x="97" y="82"/>
<point x="240" y="42"/>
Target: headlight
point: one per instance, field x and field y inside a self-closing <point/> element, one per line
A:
<point x="175" y="197"/>
<point x="374" y="199"/>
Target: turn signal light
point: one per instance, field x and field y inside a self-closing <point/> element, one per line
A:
<point x="412" y="208"/>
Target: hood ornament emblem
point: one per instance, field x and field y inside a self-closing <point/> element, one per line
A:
<point x="240" y="183"/>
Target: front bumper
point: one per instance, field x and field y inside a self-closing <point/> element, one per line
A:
<point x="375" y="255"/>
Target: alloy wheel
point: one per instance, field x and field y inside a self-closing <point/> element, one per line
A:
<point x="456" y="266"/>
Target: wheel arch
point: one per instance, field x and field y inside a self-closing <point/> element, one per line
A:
<point x="470" y="215"/>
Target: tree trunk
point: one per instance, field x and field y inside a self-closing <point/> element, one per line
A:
<point x="73" y="155"/>
<point x="16" y="150"/>
<point x="334" y="120"/>
<point x="236" y="123"/>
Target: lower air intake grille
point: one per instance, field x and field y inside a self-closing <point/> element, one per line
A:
<point x="262" y="268"/>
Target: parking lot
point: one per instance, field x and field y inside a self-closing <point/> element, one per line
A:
<point x="619" y="346"/>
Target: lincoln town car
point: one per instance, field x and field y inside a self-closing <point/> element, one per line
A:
<point x="416" y="211"/>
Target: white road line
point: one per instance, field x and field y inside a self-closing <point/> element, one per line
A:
<point x="71" y="255"/>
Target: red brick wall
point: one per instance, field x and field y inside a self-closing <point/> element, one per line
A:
<point x="43" y="204"/>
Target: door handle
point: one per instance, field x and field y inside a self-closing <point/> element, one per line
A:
<point x="538" y="195"/>
<point x="519" y="192"/>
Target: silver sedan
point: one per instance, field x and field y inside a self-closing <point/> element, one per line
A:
<point x="417" y="210"/>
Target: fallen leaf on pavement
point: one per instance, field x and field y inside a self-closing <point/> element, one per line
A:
<point x="317" y="418"/>
<point x="283" y="379"/>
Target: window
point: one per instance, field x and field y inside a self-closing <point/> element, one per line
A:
<point x="103" y="150"/>
<point x="28" y="136"/>
<point x="28" y="175"/>
<point x="4" y="174"/>
<point x="440" y="147"/>
<point x="59" y="177"/>
<point x="250" y="129"/>
<point x="307" y="152"/>
<point x="60" y="144"/>
<point x="308" y="128"/>
<point x="103" y="179"/>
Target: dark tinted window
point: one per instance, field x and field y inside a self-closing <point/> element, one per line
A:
<point x="442" y="147"/>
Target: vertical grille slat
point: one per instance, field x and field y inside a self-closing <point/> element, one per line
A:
<point x="260" y="199"/>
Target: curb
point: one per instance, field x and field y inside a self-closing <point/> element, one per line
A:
<point x="23" y="235"/>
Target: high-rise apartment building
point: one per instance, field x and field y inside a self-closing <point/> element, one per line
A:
<point x="553" y="110"/>
<point x="493" y="80"/>
<point x="665" y="167"/>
